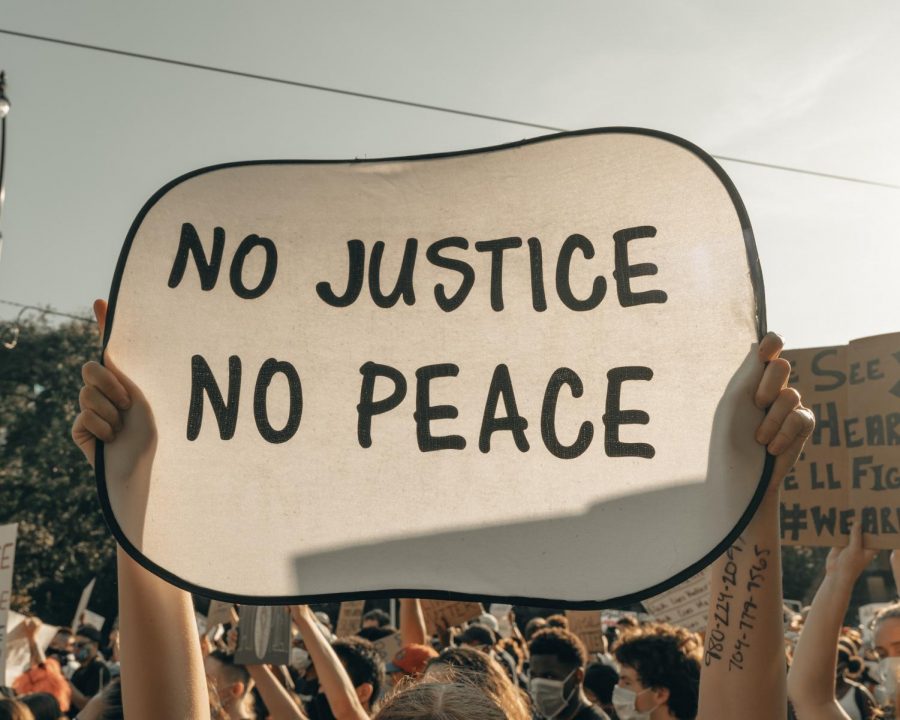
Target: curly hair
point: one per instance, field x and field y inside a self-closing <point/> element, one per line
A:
<point x="363" y="663"/>
<point x="661" y="661"/>
<point x="566" y="646"/>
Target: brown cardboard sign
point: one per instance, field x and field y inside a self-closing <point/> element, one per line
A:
<point x="349" y="618"/>
<point x="449" y="613"/>
<point x="850" y="468"/>
<point x="454" y="376"/>
<point x="587" y="625"/>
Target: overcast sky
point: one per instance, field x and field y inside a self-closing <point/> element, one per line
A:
<point x="807" y="85"/>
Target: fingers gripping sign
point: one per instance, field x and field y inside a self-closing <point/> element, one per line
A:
<point x="787" y="423"/>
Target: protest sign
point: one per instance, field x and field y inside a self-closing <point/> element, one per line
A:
<point x="459" y="375"/>
<point x="264" y="635"/>
<point x="501" y="611"/>
<point x="220" y="613"/>
<point x="79" y="617"/>
<point x="686" y="604"/>
<point x="587" y="625"/>
<point x="448" y="613"/>
<point x="388" y="646"/>
<point x="94" y="619"/>
<point x="18" y="656"/>
<point x="7" y="561"/>
<point x="850" y="467"/>
<point x="349" y="618"/>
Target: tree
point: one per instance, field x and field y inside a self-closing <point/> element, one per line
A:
<point x="45" y="484"/>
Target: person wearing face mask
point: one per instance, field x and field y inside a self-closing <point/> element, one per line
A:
<point x="556" y="677"/>
<point x="231" y="683"/>
<point x="659" y="677"/>
<point x="886" y="633"/>
<point x="43" y="676"/>
<point x="93" y="674"/>
<point x="853" y="696"/>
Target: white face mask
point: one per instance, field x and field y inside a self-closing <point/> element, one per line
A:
<point x="624" y="701"/>
<point x="549" y="695"/>
<point x="889" y="668"/>
<point x="299" y="659"/>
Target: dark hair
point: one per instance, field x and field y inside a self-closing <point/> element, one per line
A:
<point x="363" y="663"/>
<point x="112" y="694"/>
<point x="660" y="662"/>
<point x="11" y="709"/>
<point x="375" y="633"/>
<point x="233" y="672"/>
<point x="478" y="634"/>
<point x="558" y="621"/>
<point x="379" y="616"/>
<point x="533" y="625"/>
<point x="42" y="705"/>
<point x="566" y="646"/>
<point x="90" y="632"/>
<point x="600" y="679"/>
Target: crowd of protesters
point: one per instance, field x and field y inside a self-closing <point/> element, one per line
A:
<point x="782" y="665"/>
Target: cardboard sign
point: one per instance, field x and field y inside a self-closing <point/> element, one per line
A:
<point x="264" y="636"/>
<point x="18" y="652"/>
<point x="850" y="467"/>
<point x="440" y="374"/>
<point x="79" y="618"/>
<point x="448" y="613"/>
<point x="7" y="562"/>
<point x="388" y="646"/>
<point x="350" y="618"/>
<point x="686" y="605"/>
<point x="220" y="613"/>
<point x="587" y="625"/>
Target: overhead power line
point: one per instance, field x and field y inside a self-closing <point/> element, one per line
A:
<point x="398" y="101"/>
<point x="45" y="311"/>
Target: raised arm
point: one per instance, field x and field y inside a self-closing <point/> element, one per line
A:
<point x="811" y="679"/>
<point x="278" y="700"/>
<point x="744" y="672"/>
<point x="161" y="666"/>
<point x="333" y="678"/>
<point x="412" y="622"/>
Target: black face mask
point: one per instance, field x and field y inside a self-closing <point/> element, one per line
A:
<point x="319" y="709"/>
<point x="57" y="653"/>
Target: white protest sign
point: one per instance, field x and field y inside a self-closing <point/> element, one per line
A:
<point x="389" y="646"/>
<point x="18" y="657"/>
<point x="94" y="619"/>
<point x="7" y="562"/>
<point x="79" y="618"/>
<point x="539" y="349"/>
<point x="501" y="612"/>
<point x="686" y="604"/>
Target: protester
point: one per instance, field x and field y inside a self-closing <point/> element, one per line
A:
<point x="886" y="633"/>
<point x="162" y="672"/>
<point x="409" y="662"/>
<point x="600" y="681"/>
<point x="62" y="649"/>
<point x="443" y="701"/>
<point x="93" y="674"/>
<point x="231" y="682"/>
<point x="659" y="675"/>
<point x="14" y="710"/>
<point x="376" y="618"/>
<point x="43" y="674"/>
<point x="556" y="680"/>
<point x="43" y="706"/>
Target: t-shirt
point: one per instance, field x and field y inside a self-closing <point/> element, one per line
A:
<point x="45" y="678"/>
<point x="91" y="678"/>
<point x="590" y="712"/>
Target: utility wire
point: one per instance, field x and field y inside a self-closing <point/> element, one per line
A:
<point x="46" y="311"/>
<point x="397" y="101"/>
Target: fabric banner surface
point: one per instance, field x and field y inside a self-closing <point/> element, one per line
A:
<point x="454" y="376"/>
<point x="850" y="467"/>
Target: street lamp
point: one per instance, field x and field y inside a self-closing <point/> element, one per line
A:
<point x="4" y="111"/>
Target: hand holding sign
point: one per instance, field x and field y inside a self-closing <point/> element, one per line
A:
<point x="374" y="340"/>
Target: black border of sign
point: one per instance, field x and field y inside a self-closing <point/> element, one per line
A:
<point x="759" y="295"/>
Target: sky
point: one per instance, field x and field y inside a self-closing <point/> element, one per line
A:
<point x="804" y="85"/>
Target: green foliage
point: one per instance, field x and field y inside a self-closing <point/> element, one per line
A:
<point x="802" y="571"/>
<point x="45" y="484"/>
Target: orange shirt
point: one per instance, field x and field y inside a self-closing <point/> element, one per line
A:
<point x="48" y="678"/>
